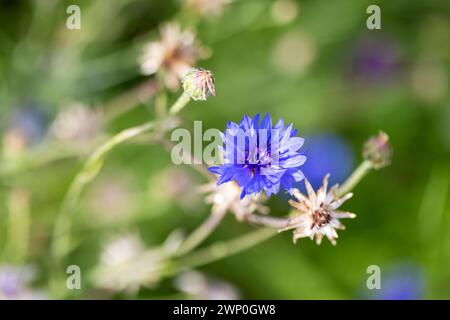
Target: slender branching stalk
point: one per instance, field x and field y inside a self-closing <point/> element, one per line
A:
<point x="61" y="232"/>
<point x="179" y="104"/>
<point x="220" y="250"/>
<point x="18" y="226"/>
<point x="280" y="222"/>
<point x="130" y="99"/>
<point x="357" y="175"/>
<point x="268" y="221"/>
<point x="201" y="233"/>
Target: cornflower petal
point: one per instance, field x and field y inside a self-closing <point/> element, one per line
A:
<point x="267" y="156"/>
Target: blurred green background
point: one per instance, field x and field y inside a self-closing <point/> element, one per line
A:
<point x="313" y="63"/>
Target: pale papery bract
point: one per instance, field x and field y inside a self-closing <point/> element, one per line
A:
<point x="226" y="198"/>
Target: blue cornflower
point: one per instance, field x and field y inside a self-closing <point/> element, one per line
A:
<point x="259" y="156"/>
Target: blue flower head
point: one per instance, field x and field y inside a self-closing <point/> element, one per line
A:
<point x="260" y="156"/>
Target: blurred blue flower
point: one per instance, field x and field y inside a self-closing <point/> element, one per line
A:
<point x="259" y="156"/>
<point x="327" y="153"/>
<point x="10" y="282"/>
<point x="403" y="282"/>
<point x="14" y="283"/>
<point x="30" y="121"/>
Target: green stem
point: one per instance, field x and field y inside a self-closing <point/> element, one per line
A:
<point x="221" y="250"/>
<point x="61" y="231"/>
<point x="268" y="221"/>
<point x="179" y="104"/>
<point x="127" y="101"/>
<point x="35" y="159"/>
<point x="359" y="173"/>
<point x="18" y="230"/>
<point x="201" y="233"/>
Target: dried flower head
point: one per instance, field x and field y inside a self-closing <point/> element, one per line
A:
<point x="226" y="197"/>
<point x="121" y="250"/>
<point x="77" y="123"/>
<point x="125" y="264"/>
<point x="173" y="56"/>
<point x="378" y="150"/>
<point x="199" y="84"/>
<point x="318" y="215"/>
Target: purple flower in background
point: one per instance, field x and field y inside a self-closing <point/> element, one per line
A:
<point x="14" y="284"/>
<point x="11" y="284"/>
<point x="375" y="59"/>
<point x="30" y="122"/>
<point x="404" y="282"/>
<point x="327" y="153"/>
<point x="259" y="156"/>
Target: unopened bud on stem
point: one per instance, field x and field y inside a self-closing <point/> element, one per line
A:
<point x="199" y="84"/>
<point x="378" y="151"/>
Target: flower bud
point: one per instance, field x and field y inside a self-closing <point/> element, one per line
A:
<point x="199" y="84"/>
<point x="378" y="150"/>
